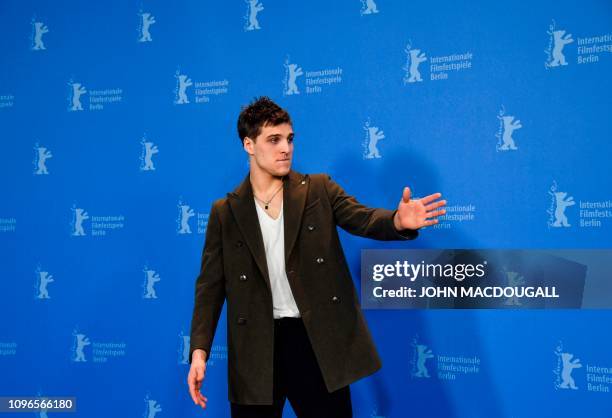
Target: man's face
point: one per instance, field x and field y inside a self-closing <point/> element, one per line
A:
<point x="273" y="149"/>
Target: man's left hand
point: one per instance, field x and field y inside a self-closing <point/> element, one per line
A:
<point x="417" y="213"/>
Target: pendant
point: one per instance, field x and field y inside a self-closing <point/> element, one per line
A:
<point x="266" y="207"/>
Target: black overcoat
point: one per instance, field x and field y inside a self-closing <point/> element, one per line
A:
<point x="234" y="268"/>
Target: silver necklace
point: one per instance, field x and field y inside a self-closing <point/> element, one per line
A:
<point x="267" y="203"/>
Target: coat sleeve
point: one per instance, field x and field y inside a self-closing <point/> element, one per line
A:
<point x="209" y="289"/>
<point x="357" y="219"/>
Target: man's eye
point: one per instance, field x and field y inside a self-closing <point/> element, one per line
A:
<point x="290" y="139"/>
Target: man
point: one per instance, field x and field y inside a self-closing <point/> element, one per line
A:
<point x="294" y="325"/>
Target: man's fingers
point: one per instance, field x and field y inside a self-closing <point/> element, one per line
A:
<point x="192" y="387"/>
<point x="430" y="223"/>
<point x="195" y="378"/>
<point x="435" y="205"/>
<point x="202" y="400"/>
<point x="436" y="213"/>
<point x="200" y="375"/>
<point x="431" y="197"/>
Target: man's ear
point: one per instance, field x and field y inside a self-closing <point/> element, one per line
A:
<point x="248" y="145"/>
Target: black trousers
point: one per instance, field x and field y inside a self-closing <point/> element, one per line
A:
<point x="297" y="377"/>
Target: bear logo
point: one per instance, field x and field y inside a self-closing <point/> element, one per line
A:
<point x="415" y="57"/>
<point x="567" y="381"/>
<point x="561" y="203"/>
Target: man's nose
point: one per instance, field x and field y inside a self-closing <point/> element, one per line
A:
<point x="284" y="147"/>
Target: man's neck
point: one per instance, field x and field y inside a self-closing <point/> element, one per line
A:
<point x="263" y="183"/>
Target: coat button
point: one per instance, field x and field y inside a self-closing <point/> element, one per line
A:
<point x="290" y="272"/>
<point x="239" y="244"/>
<point x="320" y="260"/>
<point x="311" y="227"/>
<point x="243" y="277"/>
<point x="241" y="321"/>
<point x="335" y="299"/>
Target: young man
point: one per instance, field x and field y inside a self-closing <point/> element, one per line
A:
<point x="294" y="325"/>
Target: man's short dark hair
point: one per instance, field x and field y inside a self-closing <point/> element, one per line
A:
<point x="260" y="112"/>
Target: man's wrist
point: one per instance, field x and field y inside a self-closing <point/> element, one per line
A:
<point x="396" y="222"/>
<point x="405" y="233"/>
<point x="198" y="354"/>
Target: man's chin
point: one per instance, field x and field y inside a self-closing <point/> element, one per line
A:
<point x="279" y="172"/>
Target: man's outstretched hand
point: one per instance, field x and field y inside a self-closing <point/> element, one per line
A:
<point x="415" y="214"/>
<point x="196" y="377"/>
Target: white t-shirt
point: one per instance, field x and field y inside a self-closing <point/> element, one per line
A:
<point x="273" y="233"/>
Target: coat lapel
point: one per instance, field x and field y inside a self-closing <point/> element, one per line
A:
<point x="294" y="199"/>
<point x="244" y="211"/>
<point x="242" y="205"/>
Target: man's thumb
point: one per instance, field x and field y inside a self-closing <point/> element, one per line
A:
<point x="406" y="194"/>
<point x="199" y="374"/>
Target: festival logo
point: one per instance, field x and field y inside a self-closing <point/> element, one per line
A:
<point x="414" y="58"/>
<point x="74" y="98"/>
<point x="185" y="214"/>
<point x="97" y="99"/>
<point x="78" y="348"/>
<point x="253" y="8"/>
<point x="38" y="30"/>
<point x="373" y="134"/>
<point x="316" y="81"/>
<point x="152" y="407"/>
<point x="292" y="72"/>
<point x="420" y="354"/>
<point x="146" y="158"/>
<point x="557" y="39"/>
<point x="441" y="67"/>
<point x="41" y="155"/>
<point x="151" y="277"/>
<point x="368" y="7"/>
<point x="442" y="366"/>
<point x="100" y="225"/>
<point x="99" y="352"/>
<point x="79" y="215"/>
<point x="144" y="27"/>
<point x="43" y="278"/>
<point x="202" y="89"/>
<point x="507" y="125"/>
<point x="182" y="82"/>
<point x="566" y="363"/>
<point x="559" y="202"/>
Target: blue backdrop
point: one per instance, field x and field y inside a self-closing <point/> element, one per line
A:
<point x="118" y="131"/>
